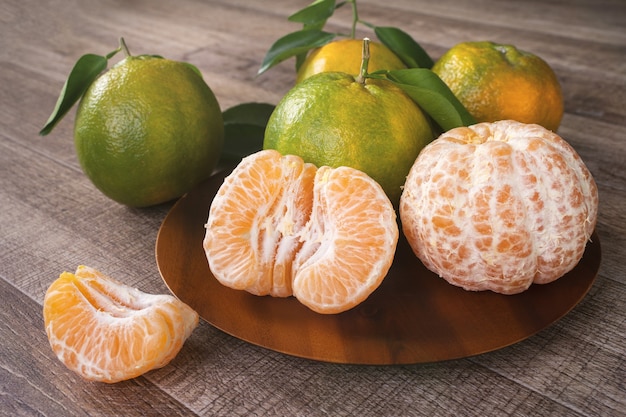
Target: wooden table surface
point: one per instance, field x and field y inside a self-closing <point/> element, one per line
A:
<point x="52" y="219"/>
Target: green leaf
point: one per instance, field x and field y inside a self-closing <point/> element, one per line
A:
<point x="403" y="45"/>
<point x="300" y="58"/>
<point x="293" y="44"/>
<point x="315" y="13"/>
<point x="85" y="71"/>
<point x="244" y="129"/>
<point x="253" y="113"/>
<point x="313" y="17"/>
<point x="433" y="96"/>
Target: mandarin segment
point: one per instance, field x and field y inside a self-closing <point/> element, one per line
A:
<point x="107" y="331"/>
<point x="349" y="242"/>
<point x="326" y="236"/>
<point x="499" y="206"/>
<point x="251" y="235"/>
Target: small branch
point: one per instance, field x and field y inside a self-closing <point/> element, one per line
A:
<point x="355" y="19"/>
<point x="364" y="61"/>
<point x="124" y="47"/>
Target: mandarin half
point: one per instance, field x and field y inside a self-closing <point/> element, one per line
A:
<point x="279" y="226"/>
<point x="499" y="206"/>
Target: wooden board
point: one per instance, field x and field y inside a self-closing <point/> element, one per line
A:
<point x="413" y="317"/>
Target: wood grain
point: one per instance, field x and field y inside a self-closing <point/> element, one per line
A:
<point x="52" y="218"/>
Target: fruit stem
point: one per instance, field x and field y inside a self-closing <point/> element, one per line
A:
<point x="124" y="47"/>
<point x="355" y="19"/>
<point x="364" y="61"/>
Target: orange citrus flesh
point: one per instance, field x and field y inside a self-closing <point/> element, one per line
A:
<point x="107" y="331"/>
<point x="499" y="206"/>
<point x="279" y="226"/>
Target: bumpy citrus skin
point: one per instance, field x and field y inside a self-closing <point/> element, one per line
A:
<point x="148" y="130"/>
<point x="345" y="56"/>
<point x="500" y="82"/>
<point x="330" y="119"/>
<point x="499" y="206"/>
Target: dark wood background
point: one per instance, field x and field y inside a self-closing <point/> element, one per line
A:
<point x="52" y="219"/>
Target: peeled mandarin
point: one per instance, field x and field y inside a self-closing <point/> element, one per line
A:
<point x="499" y="206"/>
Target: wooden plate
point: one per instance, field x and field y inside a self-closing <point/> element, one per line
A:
<point x="413" y="317"/>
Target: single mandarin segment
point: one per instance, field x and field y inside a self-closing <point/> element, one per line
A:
<point x="148" y="130"/>
<point x="254" y="220"/>
<point x="500" y="82"/>
<point x="332" y="119"/>
<point x="279" y="226"/>
<point x="107" y="331"/>
<point x="345" y="56"/>
<point x="499" y="206"/>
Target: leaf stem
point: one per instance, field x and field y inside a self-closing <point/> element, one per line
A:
<point x="124" y="47"/>
<point x="364" y="61"/>
<point x="355" y="19"/>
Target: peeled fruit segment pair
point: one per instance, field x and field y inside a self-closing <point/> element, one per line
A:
<point x="107" y="331"/>
<point x="279" y="226"/>
<point x="499" y="206"/>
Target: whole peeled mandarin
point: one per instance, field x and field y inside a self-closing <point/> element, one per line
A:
<point x="499" y="206"/>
